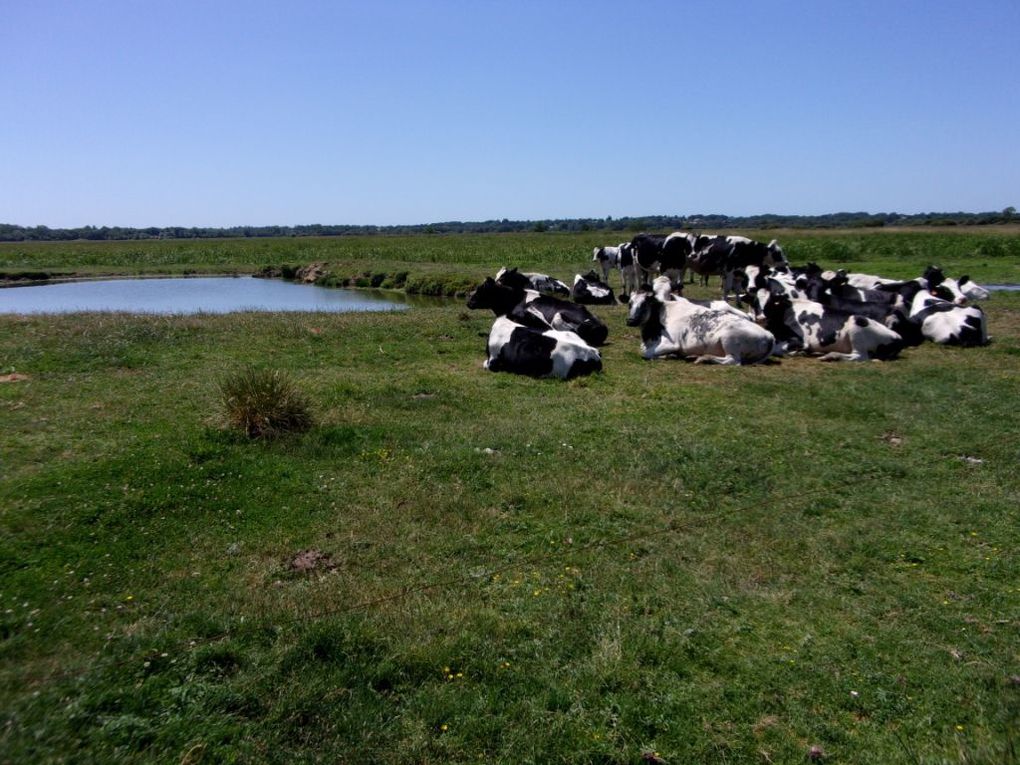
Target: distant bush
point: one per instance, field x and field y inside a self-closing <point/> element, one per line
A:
<point x="264" y="403"/>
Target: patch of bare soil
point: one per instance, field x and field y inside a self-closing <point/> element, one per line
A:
<point x="311" y="560"/>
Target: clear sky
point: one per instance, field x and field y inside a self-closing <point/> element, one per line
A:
<point x="207" y="113"/>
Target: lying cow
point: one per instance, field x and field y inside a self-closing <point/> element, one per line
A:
<point x="588" y="290"/>
<point x="964" y="290"/>
<point x="522" y="350"/>
<point x="887" y="308"/>
<point x="540" y="312"/>
<point x="944" y="322"/>
<point x="807" y="326"/>
<point x="678" y="327"/>
<point x="532" y="281"/>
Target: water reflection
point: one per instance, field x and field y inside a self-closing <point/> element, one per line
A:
<point x="195" y="295"/>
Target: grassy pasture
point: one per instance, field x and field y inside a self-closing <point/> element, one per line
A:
<point x="986" y="254"/>
<point x="663" y="562"/>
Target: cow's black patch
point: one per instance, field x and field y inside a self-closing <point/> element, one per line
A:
<point x="527" y="352"/>
<point x="674" y="253"/>
<point x="888" y="350"/>
<point x="970" y="333"/>
<point x="584" y="367"/>
<point x="647" y="249"/>
<point x="577" y="318"/>
<point x="860" y="321"/>
<point x="808" y="319"/>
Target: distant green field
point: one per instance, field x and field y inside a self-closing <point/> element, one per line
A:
<point x="985" y="254"/>
<point x="661" y="563"/>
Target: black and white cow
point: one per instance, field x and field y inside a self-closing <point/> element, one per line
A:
<point x="944" y="322"/>
<point x="532" y="281"/>
<point x="663" y="290"/>
<point x="621" y="256"/>
<point x="867" y="281"/>
<point x="744" y="252"/>
<point x="522" y="350"/>
<point x="647" y="250"/>
<point x="678" y="327"/>
<point x="807" y="326"/>
<point x="964" y="290"/>
<point x="888" y="308"/>
<point x="663" y="254"/>
<point x="537" y="311"/>
<point x="588" y="290"/>
<point x="708" y="256"/>
<point x="676" y="249"/>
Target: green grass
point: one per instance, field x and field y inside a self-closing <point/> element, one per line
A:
<point x="714" y="564"/>
<point x="984" y="253"/>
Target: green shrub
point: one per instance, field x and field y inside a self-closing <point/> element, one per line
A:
<point x="264" y="403"/>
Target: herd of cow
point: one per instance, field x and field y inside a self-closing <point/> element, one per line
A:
<point x="838" y="316"/>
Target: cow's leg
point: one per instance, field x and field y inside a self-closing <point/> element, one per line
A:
<point x="835" y="356"/>
<point x="728" y="360"/>
<point x="727" y="284"/>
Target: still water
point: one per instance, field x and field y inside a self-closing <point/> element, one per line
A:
<point x="192" y="295"/>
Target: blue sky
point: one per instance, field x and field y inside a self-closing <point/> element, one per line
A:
<point x="232" y="113"/>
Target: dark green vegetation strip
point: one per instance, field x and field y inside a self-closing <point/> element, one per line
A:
<point x="714" y="564"/>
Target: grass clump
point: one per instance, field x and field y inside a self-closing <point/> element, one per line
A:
<point x="264" y="403"/>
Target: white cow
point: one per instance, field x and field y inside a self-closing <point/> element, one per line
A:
<point x="678" y="327"/>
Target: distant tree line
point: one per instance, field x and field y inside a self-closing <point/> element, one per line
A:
<point x="13" y="233"/>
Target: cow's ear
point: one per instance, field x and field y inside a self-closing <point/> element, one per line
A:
<point x="963" y="279"/>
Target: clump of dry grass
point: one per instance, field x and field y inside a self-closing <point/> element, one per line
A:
<point x="264" y="403"/>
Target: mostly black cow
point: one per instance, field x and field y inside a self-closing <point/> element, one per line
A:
<point x="531" y="281"/>
<point x="532" y="309"/>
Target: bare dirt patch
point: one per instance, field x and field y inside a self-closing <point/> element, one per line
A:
<point x="311" y="560"/>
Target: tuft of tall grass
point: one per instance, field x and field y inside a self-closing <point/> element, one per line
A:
<point x="264" y="403"/>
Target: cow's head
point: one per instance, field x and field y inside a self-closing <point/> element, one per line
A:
<point x="971" y="290"/>
<point x="490" y="294"/>
<point x="510" y="277"/>
<point x="934" y="276"/>
<point x="776" y="255"/>
<point x="643" y="307"/>
<point x="767" y="299"/>
<point x="598" y="254"/>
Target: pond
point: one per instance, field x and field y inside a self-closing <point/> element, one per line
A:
<point x="193" y="295"/>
